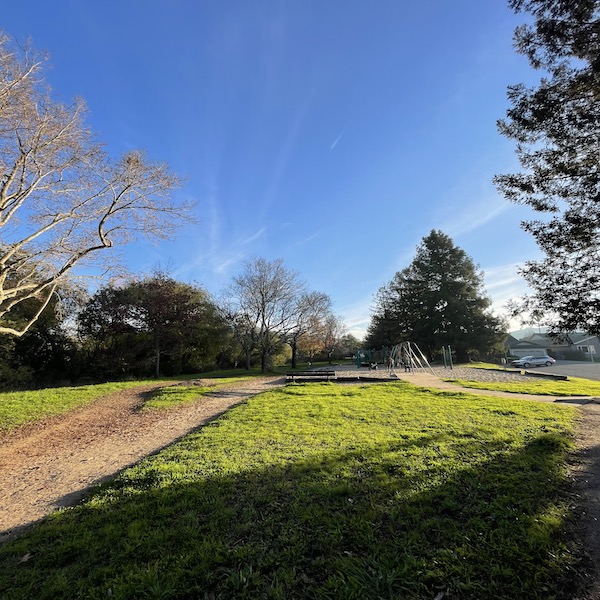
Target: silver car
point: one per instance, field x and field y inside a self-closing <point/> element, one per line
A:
<point x="533" y="361"/>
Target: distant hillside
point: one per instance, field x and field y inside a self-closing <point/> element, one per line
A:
<point x="523" y="333"/>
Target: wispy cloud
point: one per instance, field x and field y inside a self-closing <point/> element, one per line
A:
<point x="357" y="315"/>
<point x="222" y="266"/>
<point x="475" y="215"/>
<point x="284" y="155"/>
<point x="503" y="283"/>
<point x="337" y="139"/>
<point x="306" y="239"/>
<point x="254" y="237"/>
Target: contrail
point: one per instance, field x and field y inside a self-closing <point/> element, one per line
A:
<point x="337" y="139"/>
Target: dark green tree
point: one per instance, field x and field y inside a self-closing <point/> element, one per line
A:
<point x="45" y="353"/>
<point x="556" y="127"/>
<point x="391" y="319"/>
<point x="157" y="321"/>
<point x="438" y="300"/>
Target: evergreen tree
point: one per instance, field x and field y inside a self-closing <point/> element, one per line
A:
<point x="391" y="321"/>
<point x="437" y="300"/>
<point x="556" y="126"/>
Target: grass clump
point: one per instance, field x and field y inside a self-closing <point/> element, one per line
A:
<point x="324" y="491"/>
<point x="574" y="386"/>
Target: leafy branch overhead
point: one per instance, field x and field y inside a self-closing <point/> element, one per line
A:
<point x="556" y="128"/>
<point x="63" y="198"/>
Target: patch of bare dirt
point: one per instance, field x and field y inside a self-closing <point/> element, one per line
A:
<point x="585" y="472"/>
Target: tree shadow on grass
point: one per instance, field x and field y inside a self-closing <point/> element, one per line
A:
<point x="354" y="524"/>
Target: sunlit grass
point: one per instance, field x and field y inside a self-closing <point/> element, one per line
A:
<point x="574" y="386"/>
<point x="324" y="491"/>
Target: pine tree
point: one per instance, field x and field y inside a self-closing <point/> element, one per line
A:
<point x="437" y="300"/>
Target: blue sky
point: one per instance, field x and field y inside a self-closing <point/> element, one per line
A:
<point x="332" y="134"/>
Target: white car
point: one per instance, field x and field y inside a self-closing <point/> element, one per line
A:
<point x="533" y="361"/>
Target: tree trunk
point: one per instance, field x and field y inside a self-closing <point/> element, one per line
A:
<point x="462" y="356"/>
<point x="294" y="354"/>
<point x="157" y="357"/>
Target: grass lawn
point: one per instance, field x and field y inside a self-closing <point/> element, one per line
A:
<point x="574" y="386"/>
<point x="321" y="491"/>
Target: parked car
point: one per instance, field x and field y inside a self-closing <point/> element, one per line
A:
<point x="533" y="361"/>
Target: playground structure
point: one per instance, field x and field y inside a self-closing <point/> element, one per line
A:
<point x="406" y="354"/>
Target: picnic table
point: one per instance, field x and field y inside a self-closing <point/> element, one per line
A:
<point x="328" y="375"/>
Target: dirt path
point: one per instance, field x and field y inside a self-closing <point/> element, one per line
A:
<point x="52" y="463"/>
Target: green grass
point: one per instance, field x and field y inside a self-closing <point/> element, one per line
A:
<point x="574" y="386"/>
<point x="323" y="492"/>
<point x="18" y="408"/>
<point x="480" y="365"/>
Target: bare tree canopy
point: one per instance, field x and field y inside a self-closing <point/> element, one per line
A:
<point x="266" y="295"/>
<point x="63" y="199"/>
<point x="311" y="309"/>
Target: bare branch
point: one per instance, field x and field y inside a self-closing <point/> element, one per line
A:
<point x="63" y="199"/>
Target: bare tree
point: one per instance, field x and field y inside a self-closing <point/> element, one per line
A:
<point x="333" y="329"/>
<point x="266" y="295"/>
<point x="63" y="199"/>
<point x="310" y="310"/>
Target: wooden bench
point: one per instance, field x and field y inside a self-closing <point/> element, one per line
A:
<point x="309" y="375"/>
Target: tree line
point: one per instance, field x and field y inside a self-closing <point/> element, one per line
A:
<point x="67" y="203"/>
<point x="157" y="325"/>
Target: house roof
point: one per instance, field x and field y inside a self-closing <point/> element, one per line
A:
<point x="577" y="338"/>
<point x="542" y="340"/>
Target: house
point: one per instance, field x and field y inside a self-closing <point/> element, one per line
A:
<point x="573" y="346"/>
